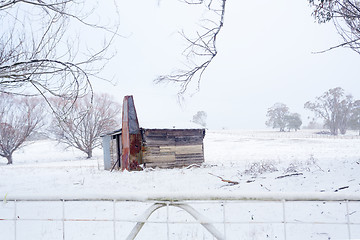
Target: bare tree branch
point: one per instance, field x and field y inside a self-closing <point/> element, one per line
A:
<point x="201" y="49"/>
<point x="40" y="54"/>
<point x="345" y="15"/>
<point x="337" y="46"/>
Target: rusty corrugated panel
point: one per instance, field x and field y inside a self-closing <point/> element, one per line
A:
<point x="132" y="116"/>
<point x="131" y="136"/>
<point x="125" y="136"/>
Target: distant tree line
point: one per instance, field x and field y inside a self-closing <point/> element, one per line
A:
<point x="338" y="110"/>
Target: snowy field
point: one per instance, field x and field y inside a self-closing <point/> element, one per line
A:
<point x="256" y="161"/>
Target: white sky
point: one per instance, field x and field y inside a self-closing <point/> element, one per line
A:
<point x="264" y="57"/>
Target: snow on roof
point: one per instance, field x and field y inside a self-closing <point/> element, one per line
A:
<point x="161" y="125"/>
<point x="168" y="125"/>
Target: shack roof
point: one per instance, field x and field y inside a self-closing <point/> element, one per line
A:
<point x="167" y="125"/>
<point x="119" y="131"/>
<point x="116" y="132"/>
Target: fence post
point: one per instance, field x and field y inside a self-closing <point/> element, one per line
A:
<point x="284" y="217"/>
<point x="114" y="218"/>
<point x="167" y="221"/>
<point x="224" y="218"/>
<point x="15" y="218"/>
<point x="348" y="218"/>
<point x="63" y="219"/>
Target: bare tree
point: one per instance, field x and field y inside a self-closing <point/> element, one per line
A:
<point x="200" y="118"/>
<point x="334" y="107"/>
<point x="202" y="47"/>
<point x="41" y="50"/>
<point x="20" y="118"/>
<point x="86" y="122"/>
<point x="345" y="14"/>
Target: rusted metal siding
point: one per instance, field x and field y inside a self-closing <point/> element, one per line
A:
<point x="106" y="149"/>
<point x="131" y="136"/>
<point x="115" y="149"/>
<point x="167" y="148"/>
<point x="125" y="136"/>
<point x="132" y="116"/>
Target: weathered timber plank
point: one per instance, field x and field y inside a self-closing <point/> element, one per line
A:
<point x="173" y="141"/>
<point x="189" y="149"/>
<point x="188" y="158"/>
<point x="185" y="157"/>
<point x="173" y="132"/>
<point x="158" y="139"/>
<point x="186" y="132"/>
<point x="198" y="154"/>
<point x="188" y="139"/>
<point x="152" y="142"/>
<point x="159" y="154"/>
<point x="155" y="136"/>
<point x="161" y="165"/>
<point x="192" y="160"/>
<point x="151" y="149"/>
<point x="183" y="149"/>
<point x="164" y="149"/>
<point x="159" y="158"/>
<point x="154" y="132"/>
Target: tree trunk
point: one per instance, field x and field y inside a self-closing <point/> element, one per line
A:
<point x="343" y="131"/>
<point x="9" y="158"/>
<point x="334" y="130"/>
<point x="89" y="154"/>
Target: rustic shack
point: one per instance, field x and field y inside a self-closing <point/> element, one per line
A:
<point x="131" y="146"/>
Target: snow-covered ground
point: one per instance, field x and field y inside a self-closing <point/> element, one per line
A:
<point x="253" y="158"/>
<point x="260" y="161"/>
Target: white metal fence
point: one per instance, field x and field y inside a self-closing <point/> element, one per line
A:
<point x="181" y="216"/>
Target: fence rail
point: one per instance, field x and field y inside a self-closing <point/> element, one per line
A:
<point x="181" y="216"/>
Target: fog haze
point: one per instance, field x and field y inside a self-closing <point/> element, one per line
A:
<point x="265" y="55"/>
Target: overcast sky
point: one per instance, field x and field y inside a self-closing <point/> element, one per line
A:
<point x="265" y="56"/>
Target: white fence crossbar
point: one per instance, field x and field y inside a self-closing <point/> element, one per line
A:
<point x="181" y="216"/>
